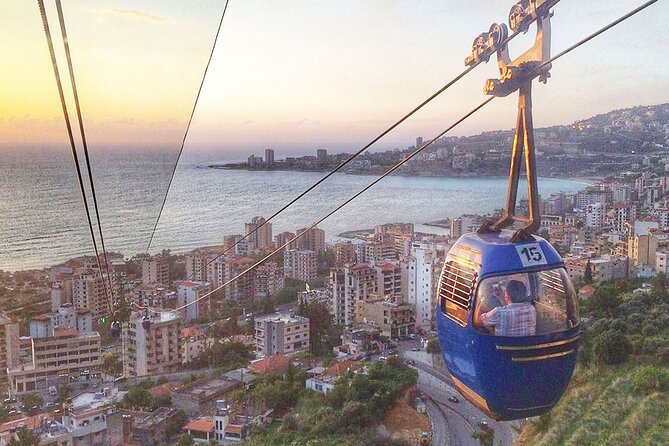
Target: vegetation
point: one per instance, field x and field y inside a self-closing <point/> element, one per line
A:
<point x="345" y="416"/>
<point x="324" y="333"/>
<point x="24" y="437"/>
<point x="138" y="397"/>
<point x="433" y="346"/>
<point x="223" y="355"/>
<point x="619" y="394"/>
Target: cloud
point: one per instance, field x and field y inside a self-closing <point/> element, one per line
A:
<point x="134" y="14"/>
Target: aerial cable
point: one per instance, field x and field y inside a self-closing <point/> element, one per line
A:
<point x="70" y="66"/>
<point x="352" y="157"/>
<point x="190" y="120"/>
<point x="54" y="63"/>
<point x="413" y="154"/>
<point x="332" y="212"/>
<point x="597" y="33"/>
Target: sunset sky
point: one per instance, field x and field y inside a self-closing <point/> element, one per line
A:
<point x="298" y="74"/>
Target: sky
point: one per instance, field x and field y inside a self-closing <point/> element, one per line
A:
<point x="302" y="74"/>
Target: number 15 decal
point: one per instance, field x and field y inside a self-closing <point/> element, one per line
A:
<point x="531" y="254"/>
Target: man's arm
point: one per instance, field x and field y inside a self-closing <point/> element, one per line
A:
<point x="491" y="318"/>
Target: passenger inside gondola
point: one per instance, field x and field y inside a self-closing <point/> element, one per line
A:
<point x="517" y="316"/>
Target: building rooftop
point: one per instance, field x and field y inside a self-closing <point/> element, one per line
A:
<point x="281" y="317"/>
<point x="208" y="388"/>
<point x="200" y="425"/>
<point x="271" y="365"/>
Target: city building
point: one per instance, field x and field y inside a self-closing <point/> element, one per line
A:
<point x="65" y="317"/>
<point x="269" y="158"/>
<point x="268" y="279"/>
<point x="261" y="239"/>
<point x="345" y="253"/>
<point x="283" y="238"/>
<point x="311" y="240"/>
<point x="464" y="224"/>
<point x="190" y="293"/>
<point x="280" y="334"/>
<point x="420" y="283"/>
<point x="89" y="291"/>
<point x="9" y="346"/>
<point x="156" y="271"/>
<point x="156" y="350"/>
<point x="196" y="397"/>
<point x="641" y="250"/>
<point x="196" y="262"/>
<point x="392" y="319"/>
<point x="349" y="285"/>
<point x="57" y="360"/>
<point x="300" y="264"/>
<point x="322" y="156"/>
<point x="236" y="244"/>
<point x="150" y="428"/>
<point x="244" y="286"/>
<point x="389" y="280"/>
<point x="93" y="419"/>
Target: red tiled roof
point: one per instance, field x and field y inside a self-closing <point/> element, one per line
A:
<point x="271" y="365"/>
<point x="200" y="425"/>
<point x="340" y="368"/>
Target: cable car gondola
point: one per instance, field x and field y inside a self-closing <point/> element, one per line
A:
<point x="507" y="318"/>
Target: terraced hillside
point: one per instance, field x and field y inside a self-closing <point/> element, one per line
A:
<point x="607" y="406"/>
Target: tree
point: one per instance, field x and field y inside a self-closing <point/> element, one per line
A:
<point x="31" y="400"/>
<point x="485" y="436"/>
<point x="175" y="423"/>
<point x="433" y="346"/>
<point x="137" y="397"/>
<point x="611" y="347"/>
<point x="111" y="364"/>
<point x="324" y="333"/>
<point x="63" y="394"/>
<point x="24" y="437"/>
<point x="185" y="440"/>
<point x="587" y="275"/>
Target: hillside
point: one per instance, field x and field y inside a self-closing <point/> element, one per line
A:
<point x="604" y="407"/>
<point x="620" y="392"/>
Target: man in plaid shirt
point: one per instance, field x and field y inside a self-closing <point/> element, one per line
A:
<point x="517" y="317"/>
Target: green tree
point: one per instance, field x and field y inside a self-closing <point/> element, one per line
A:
<point x="63" y="394"/>
<point x="648" y="379"/>
<point x="137" y="397"/>
<point x="611" y="347"/>
<point x="185" y="440"/>
<point x="433" y="346"/>
<point x="587" y="275"/>
<point x="111" y="364"/>
<point x="24" y="437"/>
<point x="31" y="400"/>
<point x="175" y="423"/>
<point x="485" y="435"/>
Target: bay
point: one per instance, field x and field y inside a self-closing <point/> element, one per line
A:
<point x="42" y="218"/>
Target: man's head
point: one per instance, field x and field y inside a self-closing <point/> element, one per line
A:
<point x="516" y="291"/>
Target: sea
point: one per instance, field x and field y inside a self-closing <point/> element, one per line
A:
<point x="43" y="221"/>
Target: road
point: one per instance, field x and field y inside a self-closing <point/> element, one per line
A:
<point x="454" y="423"/>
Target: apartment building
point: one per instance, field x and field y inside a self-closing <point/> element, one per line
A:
<point x="393" y="319"/>
<point x="190" y="293"/>
<point x="280" y="334"/>
<point x="9" y="345"/>
<point x="268" y="279"/>
<point x="89" y="291"/>
<point x="300" y="264"/>
<point x="311" y="240"/>
<point x="389" y="279"/>
<point x="93" y="420"/>
<point x="420" y="282"/>
<point x="156" y="350"/>
<point x="64" y="354"/>
<point x="261" y="239"/>
<point x="156" y="271"/>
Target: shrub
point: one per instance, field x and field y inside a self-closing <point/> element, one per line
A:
<point x="611" y="348"/>
<point x="648" y="379"/>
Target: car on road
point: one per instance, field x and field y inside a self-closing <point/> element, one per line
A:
<point x="415" y="349"/>
<point x="453" y="399"/>
<point x="411" y="362"/>
<point x="482" y="424"/>
<point x="382" y="358"/>
<point x="393" y="352"/>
